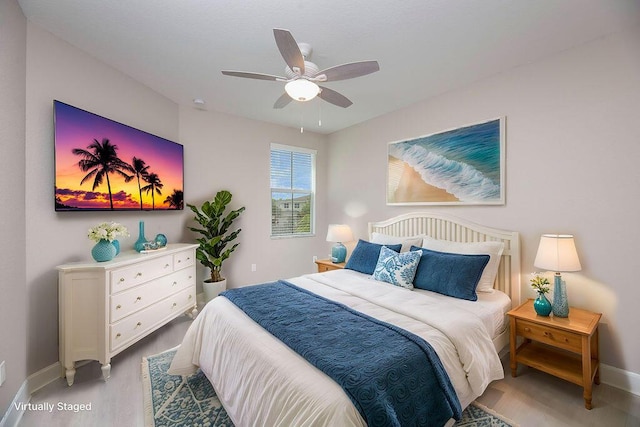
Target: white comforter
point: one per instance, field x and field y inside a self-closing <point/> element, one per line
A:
<point x="261" y="381"/>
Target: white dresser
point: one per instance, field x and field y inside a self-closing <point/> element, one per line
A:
<point x="104" y="307"/>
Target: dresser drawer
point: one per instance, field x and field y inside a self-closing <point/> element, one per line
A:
<point x="184" y="259"/>
<point x="551" y="336"/>
<point x="124" y="303"/>
<point x="128" y="277"/>
<point x="139" y="323"/>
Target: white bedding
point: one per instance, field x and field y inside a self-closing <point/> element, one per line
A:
<point x="260" y="381"/>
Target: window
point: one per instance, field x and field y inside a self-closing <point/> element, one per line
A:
<point x="292" y="191"/>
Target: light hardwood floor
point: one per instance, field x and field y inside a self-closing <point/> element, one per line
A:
<point x="533" y="399"/>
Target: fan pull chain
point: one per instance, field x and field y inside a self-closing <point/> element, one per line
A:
<point x="301" y="120"/>
<point x="319" y="114"/>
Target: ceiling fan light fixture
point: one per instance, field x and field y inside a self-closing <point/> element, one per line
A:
<point x="302" y="89"/>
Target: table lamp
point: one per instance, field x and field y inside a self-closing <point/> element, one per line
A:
<point x="339" y="233"/>
<point x="557" y="252"/>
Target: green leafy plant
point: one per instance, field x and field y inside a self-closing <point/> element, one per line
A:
<point x="215" y="232"/>
<point x="539" y="283"/>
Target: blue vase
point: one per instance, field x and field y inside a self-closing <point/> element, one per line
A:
<point x="103" y="251"/>
<point x="542" y="305"/>
<point x="116" y="243"/>
<point x="560" y="302"/>
<point x="140" y="243"/>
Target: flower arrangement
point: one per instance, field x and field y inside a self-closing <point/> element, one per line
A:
<point x="107" y="231"/>
<point x="539" y="283"/>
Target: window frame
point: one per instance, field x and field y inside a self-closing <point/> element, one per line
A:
<point x="293" y="192"/>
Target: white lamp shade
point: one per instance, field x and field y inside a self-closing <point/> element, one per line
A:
<point x="302" y="90"/>
<point x="557" y="252"/>
<point x="339" y="233"/>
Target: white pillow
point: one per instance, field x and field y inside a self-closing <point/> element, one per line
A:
<point x="406" y="242"/>
<point x="493" y="249"/>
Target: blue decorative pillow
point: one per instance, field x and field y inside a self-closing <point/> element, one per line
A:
<point x="397" y="269"/>
<point x="365" y="256"/>
<point x="455" y="275"/>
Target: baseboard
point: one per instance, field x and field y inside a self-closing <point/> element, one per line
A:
<point x="12" y="417"/>
<point x="619" y="378"/>
<point x="32" y="384"/>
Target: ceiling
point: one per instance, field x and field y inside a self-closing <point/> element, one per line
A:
<point x="424" y="47"/>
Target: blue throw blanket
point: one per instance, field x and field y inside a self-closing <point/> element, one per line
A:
<point x="393" y="377"/>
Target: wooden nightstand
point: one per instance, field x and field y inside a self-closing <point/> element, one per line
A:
<point x="327" y="265"/>
<point x="564" y="347"/>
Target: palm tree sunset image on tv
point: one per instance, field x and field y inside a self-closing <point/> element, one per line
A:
<point x="105" y="165"/>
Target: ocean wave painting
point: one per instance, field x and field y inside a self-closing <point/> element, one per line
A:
<point x="459" y="166"/>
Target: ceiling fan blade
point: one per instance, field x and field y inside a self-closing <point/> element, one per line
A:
<point x="349" y="71"/>
<point x="248" y="75"/>
<point x="283" y="101"/>
<point x="334" y="97"/>
<point x="289" y="49"/>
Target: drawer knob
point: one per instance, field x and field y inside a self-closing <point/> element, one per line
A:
<point x="190" y="277"/>
<point x="174" y="283"/>
<point x="527" y="329"/>
<point x="122" y="279"/>
<point x="139" y="274"/>
<point x="118" y="335"/>
<point x="118" y="307"/>
<point x="179" y="261"/>
<point x="166" y="265"/>
<point x="174" y="304"/>
<point x="190" y="296"/>
<point x="547" y="334"/>
<point x="138" y="324"/>
<point x="138" y="299"/>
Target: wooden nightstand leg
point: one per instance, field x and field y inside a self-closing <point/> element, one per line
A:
<point x="586" y="371"/>
<point x="595" y="354"/>
<point x="512" y="347"/>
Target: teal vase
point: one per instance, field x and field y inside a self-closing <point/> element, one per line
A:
<point x="542" y="305"/>
<point x="140" y="243"/>
<point x="116" y="243"/>
<point x="103" y="251"/>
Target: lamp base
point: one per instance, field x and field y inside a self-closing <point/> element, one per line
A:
<point x="560" y="301"/>
<point x="338" y="253"/>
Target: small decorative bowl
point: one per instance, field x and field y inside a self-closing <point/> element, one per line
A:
<point x="161" y="240"/>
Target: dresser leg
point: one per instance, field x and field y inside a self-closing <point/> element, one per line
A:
<point x="106" y="371"/>
<point x="70" y="373"/>
<point x="193" y="313"/>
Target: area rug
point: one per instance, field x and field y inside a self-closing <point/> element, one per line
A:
<point x="174" y="401"/>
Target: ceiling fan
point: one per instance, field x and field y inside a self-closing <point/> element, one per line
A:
<point x="303" y="76"/>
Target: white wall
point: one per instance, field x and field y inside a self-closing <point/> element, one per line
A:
<point x="13" y="291"/>
<point x="232" y="153"/>
<point x="572" y="144"/>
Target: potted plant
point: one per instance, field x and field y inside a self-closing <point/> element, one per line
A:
<point x="540" y="284"/>
<point x="213" y="250"/>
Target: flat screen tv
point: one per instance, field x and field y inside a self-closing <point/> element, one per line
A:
<point x="102" y="165"/>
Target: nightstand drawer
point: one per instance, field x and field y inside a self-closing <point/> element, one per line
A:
<point x="551" y="336"/>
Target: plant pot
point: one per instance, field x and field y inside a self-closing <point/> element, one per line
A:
<point x="212" y="289"/>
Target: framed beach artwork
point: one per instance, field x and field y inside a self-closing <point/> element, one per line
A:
<point x="462" y="166"/>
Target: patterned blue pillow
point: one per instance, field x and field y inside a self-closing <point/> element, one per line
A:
<point x="397" y="269"/>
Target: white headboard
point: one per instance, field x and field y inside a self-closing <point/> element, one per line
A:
<point x="448" y="227"/>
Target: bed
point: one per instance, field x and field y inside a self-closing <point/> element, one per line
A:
<point x="262" y="381"/>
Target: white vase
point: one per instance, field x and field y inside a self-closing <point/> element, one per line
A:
<point x="212" y="289"/>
